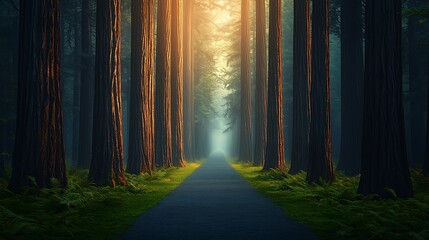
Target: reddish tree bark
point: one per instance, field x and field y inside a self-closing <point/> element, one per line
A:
<point x="384" y="158"/>
<point x="141" y="134"/>
<point x="39" y="144"/>
<point x="107" y="165"/>
<point x="301" y="86"/>
<point x="163" y="149"/>
<point x="177" y="86"/>
<point x="274" y="157"/>
<point x="320" y="165"/>
<point x="261" y="86"/>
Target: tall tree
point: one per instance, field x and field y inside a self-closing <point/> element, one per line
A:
<point x="141" y="133"/>
<point x="426" y="160"/>
<point x="163" y="149"/>
<point x="301" y="86"/>
<point x="107" y="165"/>
<point x="261" y="87"/>
<point x="245" y="116"/>
<point x="384" y="159"/>
<point x="320" y="156"/>
<point x="86" y="91"/>
<point x="177" y="86"/>
<point x="188" y="95"/>
<point x="416" y="59"/>
<point x="274" y="157"/>
<point x="351" y="86"/>
<point x="39" y="145"/>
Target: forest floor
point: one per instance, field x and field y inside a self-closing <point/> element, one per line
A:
<point x="216" y="203"/>
<point x="335" y="211"/>
<point x="84" y="211"/>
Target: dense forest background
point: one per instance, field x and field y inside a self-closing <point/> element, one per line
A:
<point x="415" y="48"/>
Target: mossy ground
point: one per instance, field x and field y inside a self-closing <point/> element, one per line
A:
<point x="84" y="211"/>
<point x="335" y="211"/>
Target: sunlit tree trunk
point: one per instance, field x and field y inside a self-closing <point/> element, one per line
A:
<point x="187" y="78"/>
<point x="351" y="87"/>
<point x="274" y="157"/>
<point x="39" y="144"/>
<point x="301" y="86"/>
<point x="245" y="120"/>
<point x="141" y="133"/>
<point x="261" y="86"/>
<point x="320" y="156"/>
<point x="177" y="86"/>
<point x="163" y="149"/>
<point x="86" y="91"/>
<point x="107" y="165"/>
<point x="384" y="159"/>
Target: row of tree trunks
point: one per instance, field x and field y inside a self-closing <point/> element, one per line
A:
<point x="301" y="86"/>
<point x="107" y="165"/>
<point x="320" y="165"/>
<point x="188" y="100"/>
<point x="274" y="157"/>
<point x="261" y="87"/>
<point x="351" y="87"/>
<point x="141" y="133"/>
<point x="39" y="145"/>
<point x="384" y="160"/>
<point x="245" y="114"/>
<point x="163" y="148"/>
<point x="86" y="91"/>
<point x="177" y="86"/>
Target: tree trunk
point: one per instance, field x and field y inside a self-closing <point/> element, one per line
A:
<point x="261" y="86"/>
<point x="177" y="86"/>
<point x="39" y="145"/>
<point x="351" y="87"/>
<point x="141" y="133"/>
<point x="245" y="120"/>
<point x="107" y="165"/>
<point x="301" y="86"/>
<point x="187" y="78"/>
<point x="274" y="157"/>
<point x="320" y="165"/>
<point x="426" y="160"/>
<point x="76" y="90"/>
<point x="163" y="149"/>
<point x="416" y="84"/>
<point x="384" y="159"/>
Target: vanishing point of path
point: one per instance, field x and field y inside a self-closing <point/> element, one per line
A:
<point x="216" y="203"/>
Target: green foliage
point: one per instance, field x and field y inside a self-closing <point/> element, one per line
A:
<point x="83" y="210"/>
<point x="336" y="211"/>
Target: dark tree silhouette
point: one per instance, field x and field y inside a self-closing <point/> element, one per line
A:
<point x="107" y="165"/>
<point x="188" y="82"/>
<point x="384" y="159"/>
<point x="163" y="148"/>
<point x="39" y="144"/>
<point x="301" y="86"/>
<point x="426" y="159"/>
<point x="76" y="86"/>
<point x="86" y="92"/>
<point x="275" y="139"/>
<point x="176" y="87"/>
<point x="141" y="133"/>
<point x="261" y="87"/>
<point x="351" y="86"/>
<point x="245" y="153"/>
<point x="320" y="157"/>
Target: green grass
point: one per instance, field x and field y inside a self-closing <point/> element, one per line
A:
<point x="84" y="211"/>
<point x="335" y="211"/>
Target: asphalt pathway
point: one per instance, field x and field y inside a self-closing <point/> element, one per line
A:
<point x="216" y="203"/>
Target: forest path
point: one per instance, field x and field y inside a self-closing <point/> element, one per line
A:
<point x="215" y="202"/>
